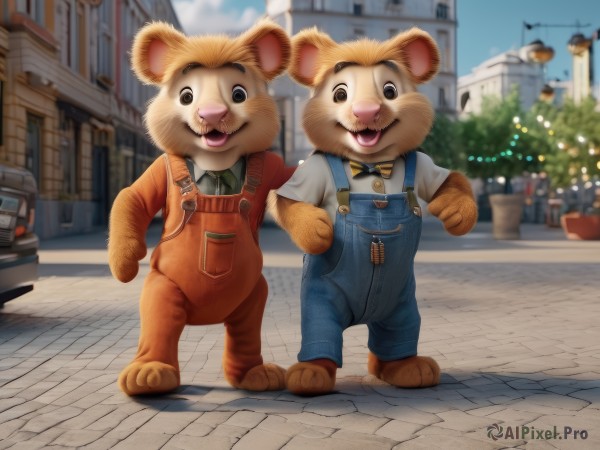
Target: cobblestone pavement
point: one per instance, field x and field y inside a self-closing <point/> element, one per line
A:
<point x="515" y="326"/>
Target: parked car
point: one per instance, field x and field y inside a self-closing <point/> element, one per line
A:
<point x="18" y="243"/>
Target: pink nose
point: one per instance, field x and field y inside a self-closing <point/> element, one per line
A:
<point x="212" y="114"/>
<point x="366" y="111"/>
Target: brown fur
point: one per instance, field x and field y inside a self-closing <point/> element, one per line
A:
<point x="332" y="125"/>
<point x="454" y="205"/>
<point x="185" y="276"/>
<point x="365" y="52"/>
<point x="210" y="51"/>
<point x="172" y="125"/>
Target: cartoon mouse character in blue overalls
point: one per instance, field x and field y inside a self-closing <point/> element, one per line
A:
<point x="352" y="205"/>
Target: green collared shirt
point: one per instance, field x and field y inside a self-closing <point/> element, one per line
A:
<point x="222" y="182"/>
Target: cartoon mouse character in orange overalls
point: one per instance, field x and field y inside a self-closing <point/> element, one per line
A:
<point x="214" y="119"/>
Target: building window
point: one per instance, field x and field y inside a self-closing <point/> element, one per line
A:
<point x="72" y="35"/>
<point x="1" y="112"/>
<point x="33" y="145"/>
<point x="357" y="8"/>
<point x="71" y="156"/>
<point x="33" y="8"/>
<point x="443" y="40"/>
<point x="442" y="102"/>
<point x="80" y="38"/>
<point x="105" y="45"/>
<point x="441" y="11"/>
<point x="66" y="34"/>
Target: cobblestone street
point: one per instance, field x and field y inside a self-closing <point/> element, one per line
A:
<point x="514" y="325"/>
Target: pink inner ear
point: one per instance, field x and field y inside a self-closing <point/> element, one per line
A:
<point x="308" y="61"/>
<point x="269" y="52"/>
<point x="419" y="57"/>
<point x="157" y="52"/>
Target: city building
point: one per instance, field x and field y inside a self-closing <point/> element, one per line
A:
<point x="72" y="109"/>
<point x="353" y="19"/>
<point x="496" y="77"/>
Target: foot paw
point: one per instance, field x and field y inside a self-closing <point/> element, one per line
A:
<point x="265" y="377"/>
<point x="305" y="378"/>
<point x="152" y="377"/>
<point x="413" y="372"/>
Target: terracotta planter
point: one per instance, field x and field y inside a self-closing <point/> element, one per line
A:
<point x="581" y="226"/>
<point x="507" y="210"/>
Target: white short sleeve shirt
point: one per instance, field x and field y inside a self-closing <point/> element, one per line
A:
<point x="313" y="182"/>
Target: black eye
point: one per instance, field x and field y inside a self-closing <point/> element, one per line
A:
<point x="389" y="91"/>
<point x="186" y="96"/>
<point x="239" y="94"/>
<point x="340" y="95"/>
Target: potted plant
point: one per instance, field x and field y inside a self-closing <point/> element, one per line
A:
<point x="500" y="148"/>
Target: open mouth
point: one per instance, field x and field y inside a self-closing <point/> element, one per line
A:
<point x="368" y="137"/>
<point x="215" y="138"/>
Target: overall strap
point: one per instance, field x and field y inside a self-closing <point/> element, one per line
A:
<point x="342" y="186"/>
<point x="410" y="170"/>
<point x="178" y="173"/>
<point x="255" y="164"/>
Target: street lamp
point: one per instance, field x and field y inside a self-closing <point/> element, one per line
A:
<point x="578" y="44"/>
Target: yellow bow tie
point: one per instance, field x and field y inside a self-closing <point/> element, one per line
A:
<point x="384" y="169"/>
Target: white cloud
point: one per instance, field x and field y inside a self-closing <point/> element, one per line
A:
<point x="209" y="16"/>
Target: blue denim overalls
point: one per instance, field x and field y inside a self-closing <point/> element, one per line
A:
<point x="367" y="276"/>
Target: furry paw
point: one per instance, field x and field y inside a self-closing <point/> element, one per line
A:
<point x="314" y="233"/>
<point x="152" y="377"/>
<point x="308" y="378"/>
<point x="458" y="214"/>
<point x="123" y="259"/>
<point x="265" y="377"/>
<point x="413" y="372"/>
<point x="309" y="226"/>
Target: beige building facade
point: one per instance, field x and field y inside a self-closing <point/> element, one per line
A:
<point x="72" y="110"/>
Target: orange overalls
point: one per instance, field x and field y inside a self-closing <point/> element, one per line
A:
<point x="207" y="267"/>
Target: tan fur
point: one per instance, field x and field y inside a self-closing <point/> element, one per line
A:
<point x="413" y="372"/>
<point x="370" y="127"/>
<point x="365" y="52"/>
<point x="253" y="124"/>
<point x="215" y="129"/>
<point x="454" y="205"/>
<point x="210" y="51"/>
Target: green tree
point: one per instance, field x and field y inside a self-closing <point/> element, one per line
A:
<point x="574" y="150"/>
<point x="443" y="145"/>
<point x="497" y="141"/>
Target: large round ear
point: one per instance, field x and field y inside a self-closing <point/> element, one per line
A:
<point x="150" y="51"/>
<point x="419" y="52"/>
<point x="307" y="45"/>
<point x="270" y="45"/>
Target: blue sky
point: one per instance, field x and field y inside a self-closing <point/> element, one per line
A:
<point x="485" y="27"/>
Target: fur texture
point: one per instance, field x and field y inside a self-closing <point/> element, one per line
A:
<point x="165" y="57"/>
<point x="213" y="107"/>
<point x="365" y="106"/>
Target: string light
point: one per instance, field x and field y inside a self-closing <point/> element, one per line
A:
<point x="509" y="152"/>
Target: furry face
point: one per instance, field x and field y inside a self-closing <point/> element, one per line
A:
<point x="213" y="103"/>
<point x="365" y="105"/>
<point x="205" y="112"/>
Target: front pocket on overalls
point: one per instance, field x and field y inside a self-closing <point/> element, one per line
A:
<point x="217" y="254"/>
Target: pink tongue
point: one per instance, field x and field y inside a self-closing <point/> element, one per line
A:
<point x="215" y="139"/>
<point x="368" y="139"/>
